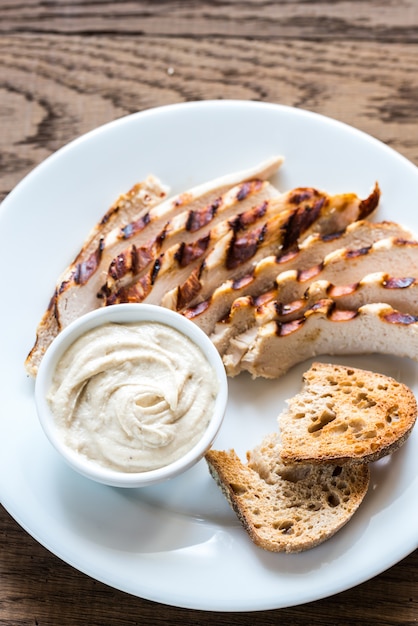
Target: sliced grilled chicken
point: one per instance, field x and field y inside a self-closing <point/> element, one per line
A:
<point x="401" y="293"/>
<point x="324" y="329"/>
<point x="177" y="263"/>
<point x="76" y="297"/>
<point x="313" y="212"/>
<point x="129" y="206"/>
<point x="132" y="205"/>
<point x="344" y="268"/>
<point x="186" y="227"/>
<point x="131" y="216"/>
<point x="217" y="308"/>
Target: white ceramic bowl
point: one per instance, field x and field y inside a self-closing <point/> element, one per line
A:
<point x="128" y="313"/>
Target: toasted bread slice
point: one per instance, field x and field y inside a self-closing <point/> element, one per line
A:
<point x="287" y="509"/>
<point x="346" y="415"/>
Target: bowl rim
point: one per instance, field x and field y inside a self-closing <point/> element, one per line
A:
<point x="128" y="313"/>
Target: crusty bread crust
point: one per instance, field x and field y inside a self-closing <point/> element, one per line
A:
<point x="346" y="415"/>
<point x="302" y="484"/>
<point x="287" y="509"/>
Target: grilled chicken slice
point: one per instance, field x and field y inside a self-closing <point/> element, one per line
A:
<point x="324" y="329"/>
<point x="77" y="297"/>
<point x="177" y="263"/>
<point x="233" y="258"/>
<point x="344" y="268"/>
<point x="401" y="293"/>
<point x="255" y="286"/>
<point x="129" y="206"/>
<point x="346" y="265"/>
<point x="132" y="205"/>
<point x="186" y="227"/>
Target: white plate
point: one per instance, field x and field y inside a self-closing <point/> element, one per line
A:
<point x="180" y="544"/>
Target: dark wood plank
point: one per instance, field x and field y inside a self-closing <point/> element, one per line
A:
<point x="39" y="589"/>
<point x="56" y="87"/>
<point x="331" y="20"/>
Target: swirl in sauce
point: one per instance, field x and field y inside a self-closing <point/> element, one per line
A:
<point x="133" y="397"/>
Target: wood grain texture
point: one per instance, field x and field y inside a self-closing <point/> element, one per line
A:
<point x="39" y="589"/>
<point x="67" y="67"/>
<point x="330" y="19"/>
<point x="56" y="87"/>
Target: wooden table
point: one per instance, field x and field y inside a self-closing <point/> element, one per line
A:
<point x="66" y="68"/>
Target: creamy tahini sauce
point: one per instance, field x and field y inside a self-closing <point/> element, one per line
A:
<point x="133" y="397"/>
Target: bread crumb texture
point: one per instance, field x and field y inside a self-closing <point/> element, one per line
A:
<point x="288" y="508"/>
<point x="346" y="415"/>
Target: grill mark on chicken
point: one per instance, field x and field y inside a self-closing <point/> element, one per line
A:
<point x="367" y="205"/>
<point x="189" y="289"/>
<point x="243" y="248"/>
<point x="182" y="199"/>
<point x="396" y="317"/>
<point x="244" y="191"/>
<point x="248" y="218"/>
<point x="197" y="310"/>
<point x="198" y="219"/>
<point x="337" y="315"/>
<point x="288" y="255"/>
<point x="132" y="228"/>
<point x="154" y="272"/>
<point x="351" y="254"/>
<point x="301" y="195"/>
<point x="85" y="269"/>
<point x="283" y="329"/>
<point x="303" y="275"/>
<point x="189" y="252"/>
<point x="134" y="259"/>
<point x="337" y="291"/>
<point x="299" y="221"/>
<point x="242" y="282"/>
<point x="398" y="283"/>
